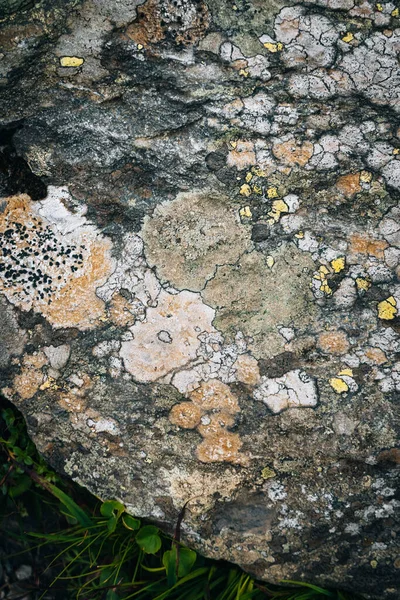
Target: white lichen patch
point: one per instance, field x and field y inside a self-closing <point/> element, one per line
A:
<point x="53" y="260"/>
<point x="293" y="390"/>
<point x="182" y="317"/>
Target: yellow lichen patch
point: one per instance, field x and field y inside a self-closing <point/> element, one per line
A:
<point x="322" y="277"/>
<point x="338" y="264"/>
<point x="387" y="309"/>
<point x="379" y="7"/>
<point x="267" y="473"/>
<point x="349" y="185"/>
<point x="270" y="261"/>
<point x="186" y="415"/>
<point x="247" y="370"/>
<point x="221" y="447"/>
<point x="272" y="192"/>
<point x="258" y="171"/>
<point x="292" y="152"/>
<point x="214" y="394"/>
<point x="348" y="37"/>
<point x="71" y="61"/>
<point x="278" y="208"/>
<point x="365" y="177"/>
<point x="243" y="73"/>
<point x="338" y="385"/>
<point x="347" y="371"/>
<point x="363" y="284"/>
<point x="299" y="235"/>
<point x="363" y="244"/>
<point x="27" y="383"/>
<point x="245" y="190"/>
<point x="249" y="177"/>
<point x="257" y="189"/>
<point x="245" y="212"/>
<point x="54" y="273"/>
<point x="395" y="12"/>
<point x="271" y="47"/>
<point x="333" y="342"/>
<point x="396" y="151"/>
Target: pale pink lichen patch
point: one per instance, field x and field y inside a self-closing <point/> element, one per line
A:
<point x="214" y="394"/>
<point x="168" y="338"/>
<point x="53" y="261"/>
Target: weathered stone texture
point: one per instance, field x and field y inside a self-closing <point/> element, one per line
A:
<point x="200" y="262"/>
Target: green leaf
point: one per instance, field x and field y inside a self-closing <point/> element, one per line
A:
<point x="130" y="522"/>
<point x="112" y="508"/>
<point x="148" y="539"/>
<point x="111" y="595"/>
<point x="169" y="561"/>
<point x="73" y="509"/>
<point x="24" y="483"/>
<point x="112" y="523"/>
<point x="310" y="586"/>
<point x="187" y="558"/>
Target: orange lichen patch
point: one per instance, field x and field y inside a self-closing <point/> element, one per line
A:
<point x="247" y="370"/>
<point x="242" y="155"/>
<point x="214" y="423"/>
<point x="363" y="244"/>
<point x="119" y="312"/>
<point x="54" y="272"/>
<point x="72" y="402"/>
<point x="158" y="19"/>
<point x="333" y="342"/>
<point x="27" y="383"/>
<point x="376" y="355"/>
<point x="221" y="447"/>
<point x="292" y="152"/>
<point x="349" y="185"/>
<point x="214" y="394"/>
<point x="185" y="414"/>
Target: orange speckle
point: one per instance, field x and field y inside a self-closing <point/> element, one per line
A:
<point x="215" y="423"/>
<point x="119" y="311"/>
<point x="376" y="355"/>
<point x="214" y="394"/>
<point x="349" y="185"/>
<point x="221" y="447"/>
<point x="186" y="415"/>
<point x="247" y="370"/>
<point x="333" y="342"/>
<point x="363" y="244"/>
<point x="292" y="153"/>
<point x="242" y="156"/>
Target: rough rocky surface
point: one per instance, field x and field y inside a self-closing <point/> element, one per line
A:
<point x="199" y="280"/>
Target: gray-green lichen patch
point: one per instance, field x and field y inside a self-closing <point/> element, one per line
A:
<point x="187" y="238"/>
<point x="257" y="299"/>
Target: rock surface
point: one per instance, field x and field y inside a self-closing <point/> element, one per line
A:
<point x="199" y="280"/>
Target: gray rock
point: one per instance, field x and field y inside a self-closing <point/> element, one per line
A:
<point x="204" y="305"/>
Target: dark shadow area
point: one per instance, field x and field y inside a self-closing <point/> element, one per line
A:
<point x="16" y="176"/>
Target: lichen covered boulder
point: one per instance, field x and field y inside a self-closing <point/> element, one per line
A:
<point x="200" y="269"/>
